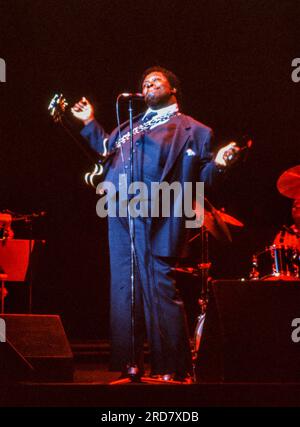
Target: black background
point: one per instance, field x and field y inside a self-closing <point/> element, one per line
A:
<point x="234" y="61"/>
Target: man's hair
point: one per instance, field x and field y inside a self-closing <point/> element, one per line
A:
<point x="171" y="77"/>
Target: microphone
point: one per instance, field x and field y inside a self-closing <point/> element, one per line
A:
<point x="131" y="95"/>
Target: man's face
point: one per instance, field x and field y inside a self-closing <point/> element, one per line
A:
<point x="157" y="90"/>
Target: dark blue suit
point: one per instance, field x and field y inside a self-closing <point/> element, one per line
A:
<point x="179" y="150"/>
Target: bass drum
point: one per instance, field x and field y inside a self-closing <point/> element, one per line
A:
<point x="278" y="262"/>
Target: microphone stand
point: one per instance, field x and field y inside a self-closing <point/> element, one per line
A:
<point x="132" y="367"/>
<point x="133" y="374"/>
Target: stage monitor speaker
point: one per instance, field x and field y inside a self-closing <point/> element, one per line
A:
<point x="247" y="336"/>
<point x="36" y="348"/>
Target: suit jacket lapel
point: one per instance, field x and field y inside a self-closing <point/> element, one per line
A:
<point x="180" y="138"/>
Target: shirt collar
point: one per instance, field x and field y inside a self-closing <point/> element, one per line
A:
<point x="162" y="111"/>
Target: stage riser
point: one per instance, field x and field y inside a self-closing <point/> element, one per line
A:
<point x="247" y="334"/>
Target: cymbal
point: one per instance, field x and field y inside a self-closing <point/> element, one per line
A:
<point x="214" y="224"/>
<point x="230" y="219"/>
<point x="288" y="184"/>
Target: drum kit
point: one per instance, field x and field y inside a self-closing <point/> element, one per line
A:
<point x="279" y="261"/>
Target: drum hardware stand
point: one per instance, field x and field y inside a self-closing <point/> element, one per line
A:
<point x="30" y="265"/>
<point x="203" y="267"/>
<point x="254" y="273"/>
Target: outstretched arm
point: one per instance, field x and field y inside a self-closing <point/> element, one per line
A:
<point x="214" y="166"/>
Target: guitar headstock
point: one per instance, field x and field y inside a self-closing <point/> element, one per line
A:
<point x="57" y="107"/>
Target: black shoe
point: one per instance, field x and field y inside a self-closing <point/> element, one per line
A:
<point x="132" y="373"/>
<point x="171" y="378"/>
<point x="185" y="379"/>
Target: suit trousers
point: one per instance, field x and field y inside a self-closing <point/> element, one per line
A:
<point x="159" y="311"/>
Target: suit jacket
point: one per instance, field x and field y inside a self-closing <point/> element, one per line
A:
<point x="190" y="159"/>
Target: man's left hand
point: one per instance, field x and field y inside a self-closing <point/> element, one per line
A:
<point x="226" y="154"/>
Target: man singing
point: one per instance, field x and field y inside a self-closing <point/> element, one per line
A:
<point x="171" y="147"/>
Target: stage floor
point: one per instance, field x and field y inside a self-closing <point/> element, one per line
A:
<point x="92" y="387"/>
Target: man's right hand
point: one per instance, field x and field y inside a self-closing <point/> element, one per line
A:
<point x="84" y="111"/>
